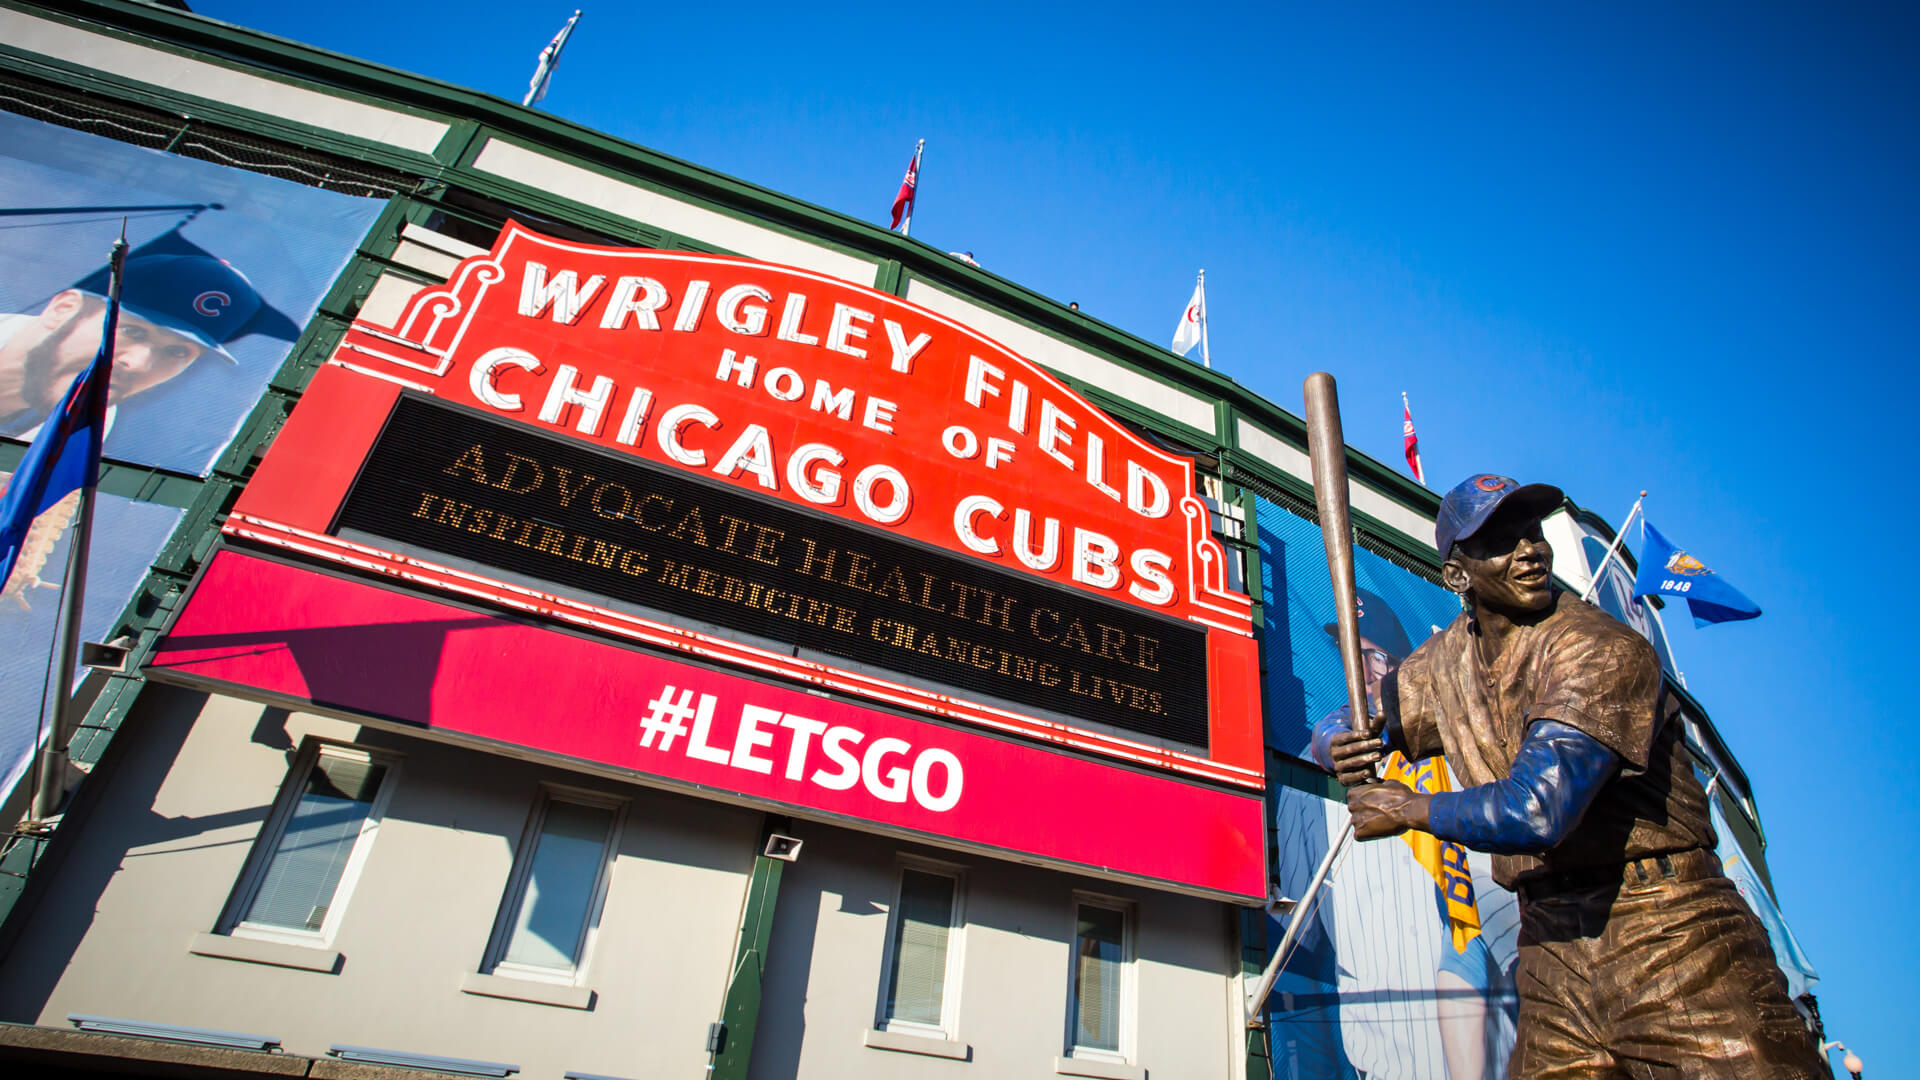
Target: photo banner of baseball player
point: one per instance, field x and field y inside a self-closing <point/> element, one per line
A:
<point x="1405" y="966"/>
<point x="1304" y="678"/>
<point x="226" y="268"/>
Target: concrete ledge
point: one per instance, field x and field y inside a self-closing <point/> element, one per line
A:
<point x="564" y="997"/>
<point x="276" y="953"/>
<point x="1105" y="1070"/>
<point x="931" y="1045"/>
<point x="21" y="1044"/>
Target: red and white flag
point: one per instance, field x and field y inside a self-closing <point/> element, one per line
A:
<point x="1412" y="441"/>
<point x="903" y="202"/>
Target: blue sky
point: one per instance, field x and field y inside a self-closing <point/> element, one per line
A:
<point x="1610" y="248"/>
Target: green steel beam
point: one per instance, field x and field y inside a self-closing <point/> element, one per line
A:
<point x="741" y="1010"/>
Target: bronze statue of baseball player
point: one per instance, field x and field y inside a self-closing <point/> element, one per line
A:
<point x="1637" y="956"/>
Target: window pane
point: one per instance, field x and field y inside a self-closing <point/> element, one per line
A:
<point x="305" y="869"/>
<point x="1096" y="978"/>
<point x="919" y="978"/>
<point x="567" y="858"/>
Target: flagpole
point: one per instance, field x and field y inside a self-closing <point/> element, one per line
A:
<point x="1257" y="1000"/>
<point x="52" y="781"/>
<point x="549" y="59"/>
<point x="1618" y="538"/>
<point x="906" y="223"/>
<point x="1206" y="358"/>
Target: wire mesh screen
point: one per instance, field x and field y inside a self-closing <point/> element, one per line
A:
<point x="188" y="137"/>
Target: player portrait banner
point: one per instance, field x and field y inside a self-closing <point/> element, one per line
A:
<point x="226" y="268"/>
<point x="1405" y="966"/>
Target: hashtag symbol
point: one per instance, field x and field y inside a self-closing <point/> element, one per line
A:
<point x="667" y="717"/>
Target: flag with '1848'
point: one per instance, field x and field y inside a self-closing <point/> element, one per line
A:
<point x="1672" y="571"/>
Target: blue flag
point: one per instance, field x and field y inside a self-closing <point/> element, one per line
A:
<point x="1670" y="571"/>
<point x="1787" y="953"/>
<point x="65" y="456"/>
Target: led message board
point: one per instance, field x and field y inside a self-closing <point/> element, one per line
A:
<point x="498" y="494"/>
<point x="1085" y="598"/>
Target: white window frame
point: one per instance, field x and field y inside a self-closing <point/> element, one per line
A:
<point x="232" y="921"/>
<point x="948" y="1028"/>
<point x="1129" y="978"/>
<point x="494" y="961"/>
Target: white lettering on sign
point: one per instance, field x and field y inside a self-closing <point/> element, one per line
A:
<point x="889" y="768"/>
<point x="1015" y="414"/>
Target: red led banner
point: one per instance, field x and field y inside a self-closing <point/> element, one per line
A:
<point x="804" y="390"/>
<point x="304" y="636"/>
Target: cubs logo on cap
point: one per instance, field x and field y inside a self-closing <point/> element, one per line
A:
<point x="1474" y="500"/>
<point x="177" y="285"/>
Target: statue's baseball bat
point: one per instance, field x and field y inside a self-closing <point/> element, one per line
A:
<point x="1327" y="451"/>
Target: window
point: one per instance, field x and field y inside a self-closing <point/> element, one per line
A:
<point x="921" y="949"/>
<point x="559" y="880"/>
<point x="311" y="848"/>
<point x="1098" y="990"/>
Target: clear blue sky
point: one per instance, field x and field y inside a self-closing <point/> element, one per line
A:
<point x="1662" y="247"/>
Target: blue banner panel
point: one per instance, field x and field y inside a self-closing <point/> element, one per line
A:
<point x="226" y="268"/>
<point x="1388" y="980"/>
<point x="1304" y="678"/>
<point x="127" y="536"/>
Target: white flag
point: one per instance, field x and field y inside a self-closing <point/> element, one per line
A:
<point x="1193" y="321"/>
<point x="549" y="59"/>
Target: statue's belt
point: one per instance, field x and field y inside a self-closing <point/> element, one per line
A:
<point x="1690" y="865"/>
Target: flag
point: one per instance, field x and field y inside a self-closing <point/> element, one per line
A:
<point x="1193" y="321"/>
<point x="1670" y="571"/>
<point x="1787" y="953"/>
<point x="903" y="200"/>
<point x="1412" y="441"/>
<point x="65" y="455"/>
<point x="549" y="59"/>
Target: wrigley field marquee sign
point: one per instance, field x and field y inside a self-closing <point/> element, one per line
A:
<point x="772" y="471"/>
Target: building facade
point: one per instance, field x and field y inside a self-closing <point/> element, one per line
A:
<point x="588" y="615"/>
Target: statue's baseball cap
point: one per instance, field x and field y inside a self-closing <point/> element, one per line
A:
<point x="1473" y="501"/>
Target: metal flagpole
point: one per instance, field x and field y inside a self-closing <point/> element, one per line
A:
<point x="73" y="594"/>
<point x="1258" y="999"/>
<point x="1206" y="358"/>
<point x="906" y="223"/>
<point x="549" y="59"/>
<point x="1619" y="537"/>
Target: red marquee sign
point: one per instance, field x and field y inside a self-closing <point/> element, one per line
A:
<point x="640" y="443"/>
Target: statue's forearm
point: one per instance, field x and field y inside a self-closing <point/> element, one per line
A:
<point x="1555" y="776"/>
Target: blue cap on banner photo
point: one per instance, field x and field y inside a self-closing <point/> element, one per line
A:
<point x="1378" y="624"/>
<point x="1671" y="571"/>
<point x="1473" y="502"/>
<point x="173" y="283"/>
